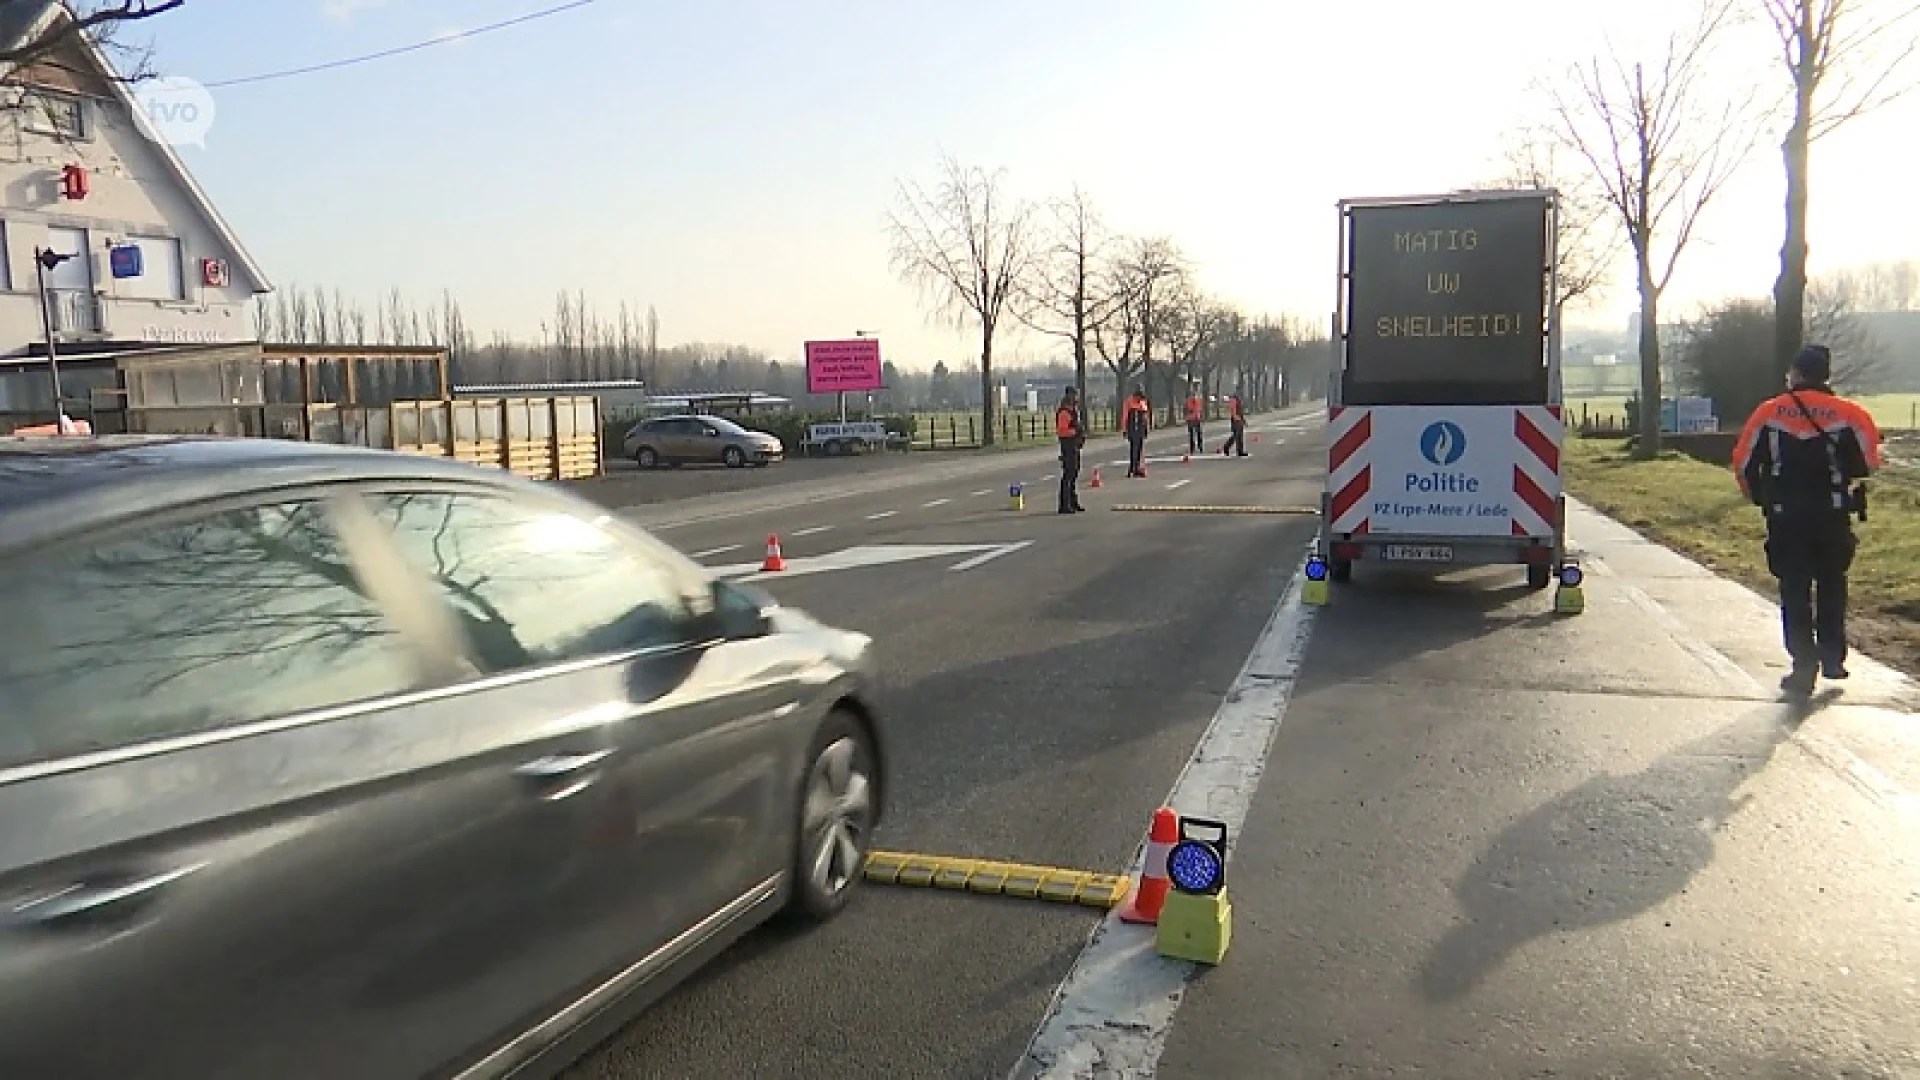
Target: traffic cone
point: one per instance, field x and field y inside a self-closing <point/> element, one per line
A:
<point x="775" y="560"/>
<point x="1256" y="436"/>
<point x="1186" y="459"/>
<point x="1149" y="895"/>
<point x="1095" y="481"/>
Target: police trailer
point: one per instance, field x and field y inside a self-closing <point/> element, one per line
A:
<point x="1444" y="415"/>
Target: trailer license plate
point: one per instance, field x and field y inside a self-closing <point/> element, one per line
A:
<point x="1418" y="553"/>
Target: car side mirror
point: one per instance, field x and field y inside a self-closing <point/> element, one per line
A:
<point x="744" y="612"/>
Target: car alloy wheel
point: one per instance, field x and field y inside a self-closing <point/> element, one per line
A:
<point x="836" y="823"/>
<point x="647" y="458"/>
<point x="735" y="457"/>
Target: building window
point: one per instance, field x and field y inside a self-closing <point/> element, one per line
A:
<point x="59" y="115"/>
<point x="159" y="270"/>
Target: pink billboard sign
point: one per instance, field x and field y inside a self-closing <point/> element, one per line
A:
<point x="836" y="367"/>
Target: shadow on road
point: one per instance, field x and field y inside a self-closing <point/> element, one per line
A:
<point x="1610" y="849"/>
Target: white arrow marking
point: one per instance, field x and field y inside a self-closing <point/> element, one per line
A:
<point x="983" y="559"/>
<point x="855" y="558"/>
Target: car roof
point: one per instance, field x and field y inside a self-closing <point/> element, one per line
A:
<point x="53" y="485"/>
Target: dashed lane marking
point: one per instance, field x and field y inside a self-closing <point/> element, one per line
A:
<point x="934" y="503"/>
<point x="1178" y="484"/>
<point x="815" y="531"/>
<point x="882" y="514"/>
<point x="711" y="552"/>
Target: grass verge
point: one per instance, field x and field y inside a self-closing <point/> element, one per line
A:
<point x="1695" y="508"/>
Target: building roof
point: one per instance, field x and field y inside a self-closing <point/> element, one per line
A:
<point x="22" y="22"/>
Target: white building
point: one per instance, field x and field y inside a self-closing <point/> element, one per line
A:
<point x="81" y="175"/>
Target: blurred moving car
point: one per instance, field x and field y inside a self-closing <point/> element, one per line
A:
<point x="323" y="762"/>
<point x="680" y="440"/>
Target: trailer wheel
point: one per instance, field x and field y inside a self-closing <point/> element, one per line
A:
<point x="1539" y="576"/>
<point x="1340" y="570"/>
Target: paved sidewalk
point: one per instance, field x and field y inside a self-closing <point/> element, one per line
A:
<point x="1493" y="842"/>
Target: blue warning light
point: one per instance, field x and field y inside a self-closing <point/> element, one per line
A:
<point x="1316" y="569"/>
<point x="1013" y="491"/>
<point x="1571" y="577"/>
<point x="1195" y="866"/>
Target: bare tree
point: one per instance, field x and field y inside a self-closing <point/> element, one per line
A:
<point x="1589" y="237"/>
<point x="1064" y="296"/>
<point x="100" y="22"/>
<point x="301" y="324"/>
<point x="1844" y="58"/>
<point x="264" y="326"/>
<point x="653" y="347"/>
<point x="968" y="250"/>
<point x="323" y="317"/>
<point x="1662" y="150"/>
<point x="356" y="324"/>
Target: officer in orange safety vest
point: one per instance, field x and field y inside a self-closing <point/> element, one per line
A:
<point x="1072" y="430"/>
<point x="1801" y="458"/>
<point x="1136" y="419"/>
<point x="1237" y="425"/>
<point x="1196" y="416"/>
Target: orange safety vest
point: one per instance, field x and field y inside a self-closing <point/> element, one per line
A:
<point x="1779" y="433"/>
<point x="1195" y="410"/>
<point x="1233" y="409"/>
<point x="1065" y="423"/>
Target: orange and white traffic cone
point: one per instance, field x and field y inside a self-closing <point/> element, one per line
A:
<point x="775" y="560"/>
<point x="1095" y="481"/>
<point x="1150" y="892"/>
<point x="1256" y="436"/>
<point x="1186" y="459"/>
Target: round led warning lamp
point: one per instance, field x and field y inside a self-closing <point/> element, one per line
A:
<point x="1013" y="490"/>
<point x="1316" y="569"/>
<point x="1195" y="866"/>
<point x="1571" y="577"/>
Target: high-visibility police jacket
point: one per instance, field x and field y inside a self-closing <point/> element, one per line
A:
<point x="1234" y="412"/>
<point x="1786" y="466"/>
<point x="1138" y="416"/>
<point x="1066" y="423"/>
<point x="1196" y="410"/>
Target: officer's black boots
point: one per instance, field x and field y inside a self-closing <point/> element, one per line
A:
<point x="1799" y="681"/>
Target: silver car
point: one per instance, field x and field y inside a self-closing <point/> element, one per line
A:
<point x="705" y="440"/>
<point x="318" y="762"/>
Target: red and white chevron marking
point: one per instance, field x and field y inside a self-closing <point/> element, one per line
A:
<point x="1349" y="473"/>
<point x="1538" y="433"/>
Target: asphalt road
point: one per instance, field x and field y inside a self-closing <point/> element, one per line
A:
<point x="1488" y="842"/>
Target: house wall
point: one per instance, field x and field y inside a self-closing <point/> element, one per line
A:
<point x="134" y="194"/>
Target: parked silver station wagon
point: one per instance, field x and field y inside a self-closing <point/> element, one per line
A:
<point x="330" y="763"/>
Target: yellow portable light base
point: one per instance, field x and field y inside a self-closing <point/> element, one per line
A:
<point x="1196" y="927"/>
<point x="1315" y="593"/>
<point x="1567" y="598"/>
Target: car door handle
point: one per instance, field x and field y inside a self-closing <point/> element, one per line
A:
<point x="561" y="776"/>
<point x="81" y="900"/>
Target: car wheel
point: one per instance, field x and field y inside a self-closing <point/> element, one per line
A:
<point x="734" y="457"/>
<point x="836" y="819"/>
<point x="834" y="449"/>
<point x="1539" y="576"/>
<point x="647" y="458"/>
<point x="1340" y="570"/>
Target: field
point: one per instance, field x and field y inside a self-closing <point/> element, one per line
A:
<point x="1016" y="427"/>
<point x="1696" y="509"/>
<point x="1893" y="412"/>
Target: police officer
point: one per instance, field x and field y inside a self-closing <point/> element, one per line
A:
<point x="1071" y="427"/>
<point x="1801" y="458"/>
<point x="1136" y="419"/>
<point x="1237" y="425"/>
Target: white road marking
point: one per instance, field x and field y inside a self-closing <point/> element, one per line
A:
<point x="977" y="494"/>
<point x="982" y="560"/>
<point x="815" y="531"/>
<point x="1179" y="483"/>
<point x="882" y="514"/>
<point x="861" y="557"/>
<point x="934" y="503"/>
<point x="1112" y="1014"/>
<point x="711" y="552"/>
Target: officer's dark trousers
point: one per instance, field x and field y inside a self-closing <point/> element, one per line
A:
<point x="1810" y="554"/>
<point x="1069" y="476"/>
<point x="1196" y="438"/>
<point x="1236" y="441"/>
<point x="1136" y="452"/>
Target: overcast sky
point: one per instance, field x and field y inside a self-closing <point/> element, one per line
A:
<point x="731" y="161"/>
